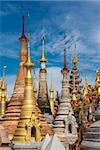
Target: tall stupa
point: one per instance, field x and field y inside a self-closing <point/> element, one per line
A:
<point x="12" y="114"/>
<point x="65" y="125"/>
<point x="43" y="97"/>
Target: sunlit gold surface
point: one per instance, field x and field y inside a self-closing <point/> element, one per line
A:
<point x="28" y="118"/>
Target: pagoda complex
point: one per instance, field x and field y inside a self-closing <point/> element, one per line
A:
<point x="65" y="125"/>
<point x="12" y="114"/>
<point x="35" y="119"/>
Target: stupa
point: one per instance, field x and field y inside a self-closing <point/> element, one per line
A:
<point x="43" y="98"/>
<point x="65" y="125"/>
<point x="12" y="114"/>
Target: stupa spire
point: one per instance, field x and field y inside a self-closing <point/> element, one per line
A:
<point x="28" y="63"/>
<point x="43" y="59"/>
<point x="74" y="60"/>
<point x="64" y="70"/>
<point x="51" y="98"/>
<point x="23" y="37"/>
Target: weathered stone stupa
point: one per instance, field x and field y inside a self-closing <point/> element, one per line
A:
<point x="12" y="114"/>
<point x="65" y="125"/>
<point x="43" y="99"/>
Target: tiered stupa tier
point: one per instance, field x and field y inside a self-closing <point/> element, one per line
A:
<point x="32" y="126"/>
<point x="65" y="125"/>
<point x="75" y="75"/>
<point x="12" y="114"/>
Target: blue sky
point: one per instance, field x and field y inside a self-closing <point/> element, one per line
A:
<point x="80" y="20"/>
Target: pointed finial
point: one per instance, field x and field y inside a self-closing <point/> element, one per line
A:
<point x="23" y="34"/>
<point x="74" y="60"/>
<point x="28" y="62"/>
<point x="43" y="59"/>
<point x="65" y="67"/>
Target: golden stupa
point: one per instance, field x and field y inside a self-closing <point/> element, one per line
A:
<point x="31" y="124"/>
